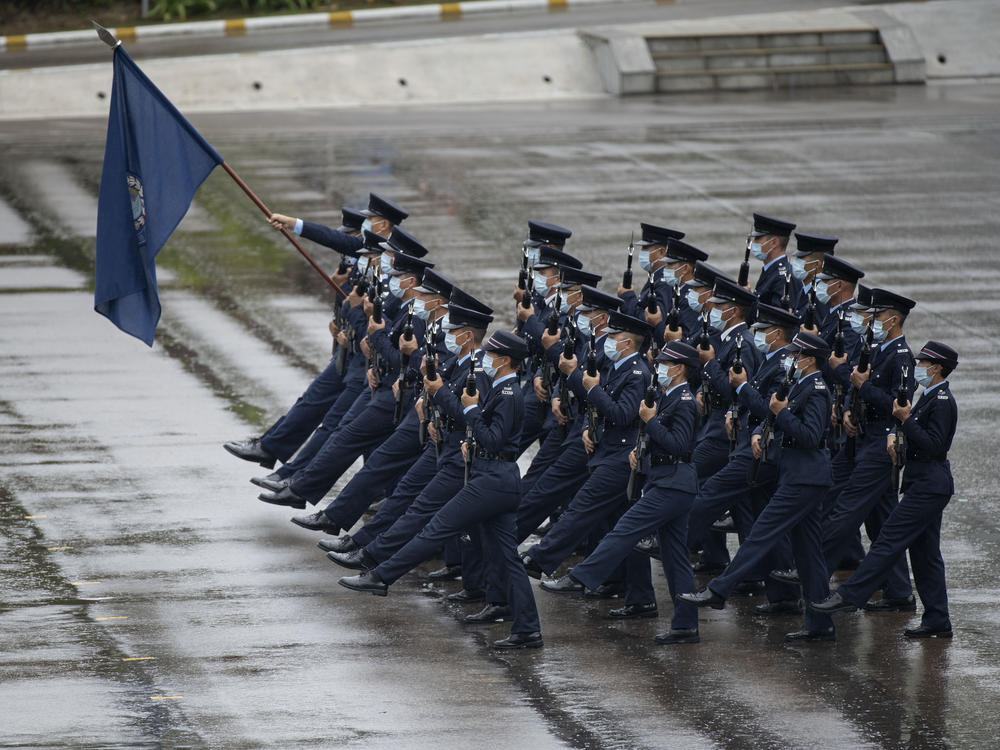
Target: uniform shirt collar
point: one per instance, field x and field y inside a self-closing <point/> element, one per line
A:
<point x="930" y="388"/>
<point x="504" y="379"/>
<point x="461" y="360"/>
<point x="623" y="361"/>
<point x="776" y="351"/>
<point x="671" y="390"/>
<point x="768" y="265"/>
<point x="729" y="331"/>
<point x="883" y="347"/>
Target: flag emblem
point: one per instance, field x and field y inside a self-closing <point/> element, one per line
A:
<point x="138" y="204"/>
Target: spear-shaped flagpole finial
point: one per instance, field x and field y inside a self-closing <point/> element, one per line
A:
<point x="106" y="36"/>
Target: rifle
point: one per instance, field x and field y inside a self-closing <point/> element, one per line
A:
<point x="767" y="431"/>
<point x="734" y="405"/>
<point x="786" y="294"/>
<point x="674" y="316"/>
<point x="566" y="394"/>
<point x="552" y="329"/>
<point x="627" y="276"/>
<point x="343" y="267"/>
<point x="374" y="359"/>
<point x="704" y="342"/>
<point x="899" y="439"/>
<point x="397" y="410"/>
<point x="470" y="389"/>
<point x="523" y="278"/>
<point x="641" y="447"/>
<point x="592" y="415"/>
<point x="809" y="319"/>
<point x="651" y="296"/>
<point x="430" y="411"/>
<point x="838" y="388"/>
<point x="744" y="278"/>
<point x="857" y="405"/>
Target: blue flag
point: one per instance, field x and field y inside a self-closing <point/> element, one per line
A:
<point x="154" y="161"/>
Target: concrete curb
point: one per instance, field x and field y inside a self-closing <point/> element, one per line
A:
<point x="338" y="19"/>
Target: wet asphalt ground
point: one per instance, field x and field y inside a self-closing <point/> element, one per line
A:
<point x="147" y="599"/>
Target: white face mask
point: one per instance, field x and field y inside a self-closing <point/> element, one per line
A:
<point x="694" y="299"/>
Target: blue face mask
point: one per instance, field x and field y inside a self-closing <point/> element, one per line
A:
<point x="420" y="309"/>
<point x="798" y="268"/>
<point x="858" y="323"/>
<point x="760" y="342"/>
<point x="715" y="318"/>
<point x="385" y="263"/>
<point x="540" y="284"/>
<point x="663" y="374"/>
<point x="670" y="276"/>
<point x="611" y="349"/>
<point x="488" y="367"/>
<point x="451" y="343"/>
<point x="362" y="264"/>
<point x="533" y="254"/>
<point x="583" y="325"/>
<point x="366" y="226"/>
<point x="564" y="305"/>
<point x="644" y="262"/>
<point x="394" y="287"/>
<point x="693" y="300"/>
<point x="758" y="251"/>
<point x="822" y="291"/>
<point x="879" y="333"/>
<point x="922" y="376"/>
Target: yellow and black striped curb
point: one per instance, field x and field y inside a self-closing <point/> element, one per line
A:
<point x="337" y="19"/>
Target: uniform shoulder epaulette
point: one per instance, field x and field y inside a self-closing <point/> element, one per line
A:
<point x="945" y="395"/>
<point x="508" y="390"/>
<point x="903" y="350"/>
<point x="819" y="384"/>
<point x="687" y="397"/>
<point x="637" y="372"/>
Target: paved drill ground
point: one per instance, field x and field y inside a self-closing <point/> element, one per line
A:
<point x="147" y="599"/>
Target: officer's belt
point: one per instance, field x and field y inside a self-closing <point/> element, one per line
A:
<point x="506" y="456"/>
<point x="665" y="459"/>
<point x="926" y="459"/>
<point x="787" y="442"/>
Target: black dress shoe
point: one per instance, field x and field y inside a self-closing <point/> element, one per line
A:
<point x="833" y="603"/>
<point x="605" y="591"/>
<point x="447" y="573"/>
<point x="367" y="581"/>
<point x="649" y="545"/>
<point x="272" y="482"/>
<point x="355" y="560"/>
<point x="467" y="596"/>
<point x="788" y="607"/>
<point x="250" y="450"/>
<point x="340" y="544"/>
<point x="748" y="588"/>
<point x="704" y="598"/>
<point x="490" y="613"/>
<point x="531" y="567"/>
<point x="678" y="635"/>
<point x="520" y="640"/>
<point x="317" y="521"/>
<point x="724" y="526"/>
<point x="786" y="576"/>
<point x="285" y="497"/>
<point x="925" y="632"/>
<point x="806" y="636"/>
<point x="634" y="612"/>
<point x="909" y="604"/>
<point x="708" y="567"/>
<point x="563" y="585"/>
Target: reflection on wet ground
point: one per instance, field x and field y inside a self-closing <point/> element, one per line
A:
<point x="156" y="603"/>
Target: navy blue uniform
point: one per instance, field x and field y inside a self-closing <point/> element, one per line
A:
<point x="671" y="483"/>
<point x="795" y="507"/>
<point x="616" y="399"/>
<point x="770" y="286"/>
<point x="868" y="495"/>
<point x="489" y="499"/>
<point x="915" y="523"/>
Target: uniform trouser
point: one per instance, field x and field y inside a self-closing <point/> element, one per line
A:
<point x="914" y="524"/>
<point x="535" y="414"/>
<point x="342" y="449"/>
<point x="710" y="457"/>
<point x="601" y="495"/>
<point x="868" y="497"/>
<point x="286" y="435"/>
<point x="842" y="466"/>
<point x="547" y="453"/>
<point x="382" y="469"/>
<point x="406" y="490"/>
<point x="446" y="483"/>
<point x="481" y="572"/>
<point x="794" y="510"/>
<point x="556" y="486"/>
<point x="664" y="511"/>
<point x="729" y="489"/>
<point x="355" y="396"/>
<point x="489" y="499"/>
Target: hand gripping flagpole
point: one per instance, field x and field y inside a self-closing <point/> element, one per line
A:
<point x="109" y="39"/>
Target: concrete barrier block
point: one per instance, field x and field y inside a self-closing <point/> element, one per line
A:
<point x="623" y="61"/>
<point x="799" y="39"/>
<point x="729" y="41"/>
<point x="790" y="59"/>
<point x="672" y="44"/>
<point x="724" y="62"/>
<point x="835" y="38"/>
